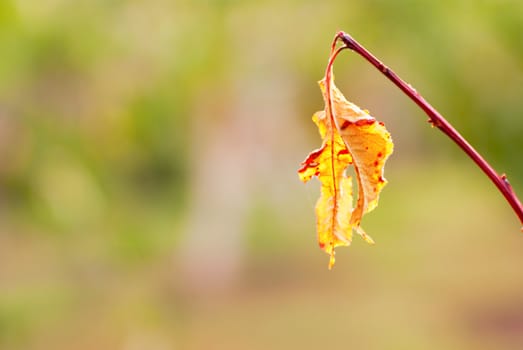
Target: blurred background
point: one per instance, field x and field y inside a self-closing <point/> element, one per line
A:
<point x="149" y="197"/>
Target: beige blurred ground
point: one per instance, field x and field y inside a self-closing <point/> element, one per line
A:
<point x="148" y="189"/>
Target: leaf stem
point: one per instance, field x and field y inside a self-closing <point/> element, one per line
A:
<point x="437" y="120"/>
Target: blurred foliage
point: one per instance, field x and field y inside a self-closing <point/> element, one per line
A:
<point x="108" y="110"/>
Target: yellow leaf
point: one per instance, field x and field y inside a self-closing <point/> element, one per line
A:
<point x="350" y="137"/>
<point x="334" y="207"/>
<point x="370" y="145"/>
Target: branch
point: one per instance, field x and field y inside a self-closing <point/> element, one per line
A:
<point x="437" y="120"/>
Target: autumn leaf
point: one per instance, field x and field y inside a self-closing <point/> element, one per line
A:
<point x="334" y="208"/>
<point x="351" y="137"/>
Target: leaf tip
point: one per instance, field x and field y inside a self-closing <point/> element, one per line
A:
<point x="364" y="235"/>
<point x="332" y="259"/>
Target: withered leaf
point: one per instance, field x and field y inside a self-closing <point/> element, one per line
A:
<point x="351" y="137"/>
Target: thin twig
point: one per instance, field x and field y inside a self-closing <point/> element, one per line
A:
<point x="437" y="120"/>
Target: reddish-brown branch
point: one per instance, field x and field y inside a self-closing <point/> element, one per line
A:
<point x="441" y="123"/>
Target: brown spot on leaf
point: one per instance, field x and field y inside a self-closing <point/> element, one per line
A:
<point x="363" y="122"/>
<point x="345" y="125"/>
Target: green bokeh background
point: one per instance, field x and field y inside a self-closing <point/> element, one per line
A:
<point x="148" y="189"/>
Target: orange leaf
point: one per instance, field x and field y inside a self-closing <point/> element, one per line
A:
<point x="350" y="137"/>
<point x="370" y="145"/>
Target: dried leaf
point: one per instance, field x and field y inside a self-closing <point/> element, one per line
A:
<point x="350" y="137"/>
<point x="370" y="145"/>
<point x="334" y="208"/>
